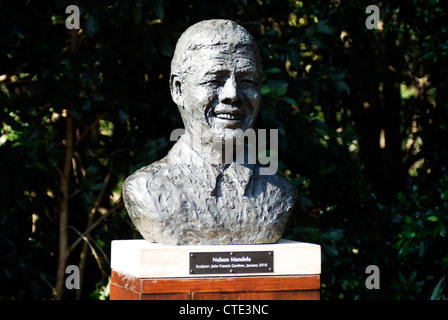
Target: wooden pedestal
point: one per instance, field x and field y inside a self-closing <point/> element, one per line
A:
<point x="288" y="270"/>
<point x="126" y="287"/>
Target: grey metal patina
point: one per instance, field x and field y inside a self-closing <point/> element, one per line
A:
<point x="192" y="196"/>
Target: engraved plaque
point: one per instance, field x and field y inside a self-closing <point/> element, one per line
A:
<point x="231" y="262"/>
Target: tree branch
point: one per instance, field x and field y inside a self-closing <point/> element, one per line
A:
<point x="94" y="225"/>
<point x="63" y="212"/>
<point x="90" y="220"/>
<point x="94" y="123"/>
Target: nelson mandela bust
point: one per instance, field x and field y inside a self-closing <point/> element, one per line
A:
<point x="191" y="196"/>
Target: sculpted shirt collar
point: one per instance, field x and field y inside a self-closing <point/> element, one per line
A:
<point x="207" y="173"/>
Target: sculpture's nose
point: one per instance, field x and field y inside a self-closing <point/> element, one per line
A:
<point x="230" y="93"/>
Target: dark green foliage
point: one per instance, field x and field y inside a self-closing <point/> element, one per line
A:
<point x="362" y="118"/>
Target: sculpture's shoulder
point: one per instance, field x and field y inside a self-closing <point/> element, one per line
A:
<point x="141" y="177"/>
<point x="277" y="183"/>
<point x="287" y="185"/>
<point x="136" y="187"/>
<point x="143" y="194"/>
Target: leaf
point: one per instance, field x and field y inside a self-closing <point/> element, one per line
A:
<point x="412" y="276"/>
<point x="444" y="195"/>
<point x="167" y="48"/>
<point x="328" y="170"/>
<point x="272" y="70"/>
<point x="421" y="248"/>
<point x="289" y="100"/>
<point x="87" y="105"/>
<point x="404" y="249"/>
<point x="158" y="8"/>
<point x="332" y="250"/>
<point x="341" y="86"/>
<point x="320" y="44"/>
<point x="40" y="166"/>
<point x="276" y="87"/>
<point x="322" y="130"/>
<point x="402" y="277"/>
<point x="282" y="91"/>
<point x="402" y="198"/>
<point x="91" y="25"/>
<point x="96" y="96"/>
<point x="297" y="181"/>
<point x="265" y="89"/>
<point x="442" y="232"/>
<point x="98" y="187"/>
<point x="437" y="292"/>
<point x="294" y="57"/>
<point x="137" y="12"/>
<point x="323" y="27"/>
<point x="333" y="234"/>
<point x="409" y="234"/>
<point x="433" y="219"/>
<point x="92" y="170"/>
<point x="123" y="116"/>
<point x="305" y="202"/>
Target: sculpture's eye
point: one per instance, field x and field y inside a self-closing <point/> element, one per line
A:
<point x="212" y="83"/>
<point x="215" y="82"/>
<point x="249" y="81"/>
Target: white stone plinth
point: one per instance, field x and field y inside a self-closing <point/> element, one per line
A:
<point x="144" y="259"/>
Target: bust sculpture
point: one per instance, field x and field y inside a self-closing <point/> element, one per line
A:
<point x="191" y="197"/>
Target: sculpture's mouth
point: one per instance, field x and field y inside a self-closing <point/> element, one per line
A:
<point x="230" y="115"/>
<point x="227" y="117"/>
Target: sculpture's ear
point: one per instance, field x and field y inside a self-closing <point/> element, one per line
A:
<point x="176" y="90"/>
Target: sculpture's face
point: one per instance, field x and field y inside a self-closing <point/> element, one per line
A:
<point x="221" y="90"/>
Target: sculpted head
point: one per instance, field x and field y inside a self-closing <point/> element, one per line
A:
<point x="215" y="79"/>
